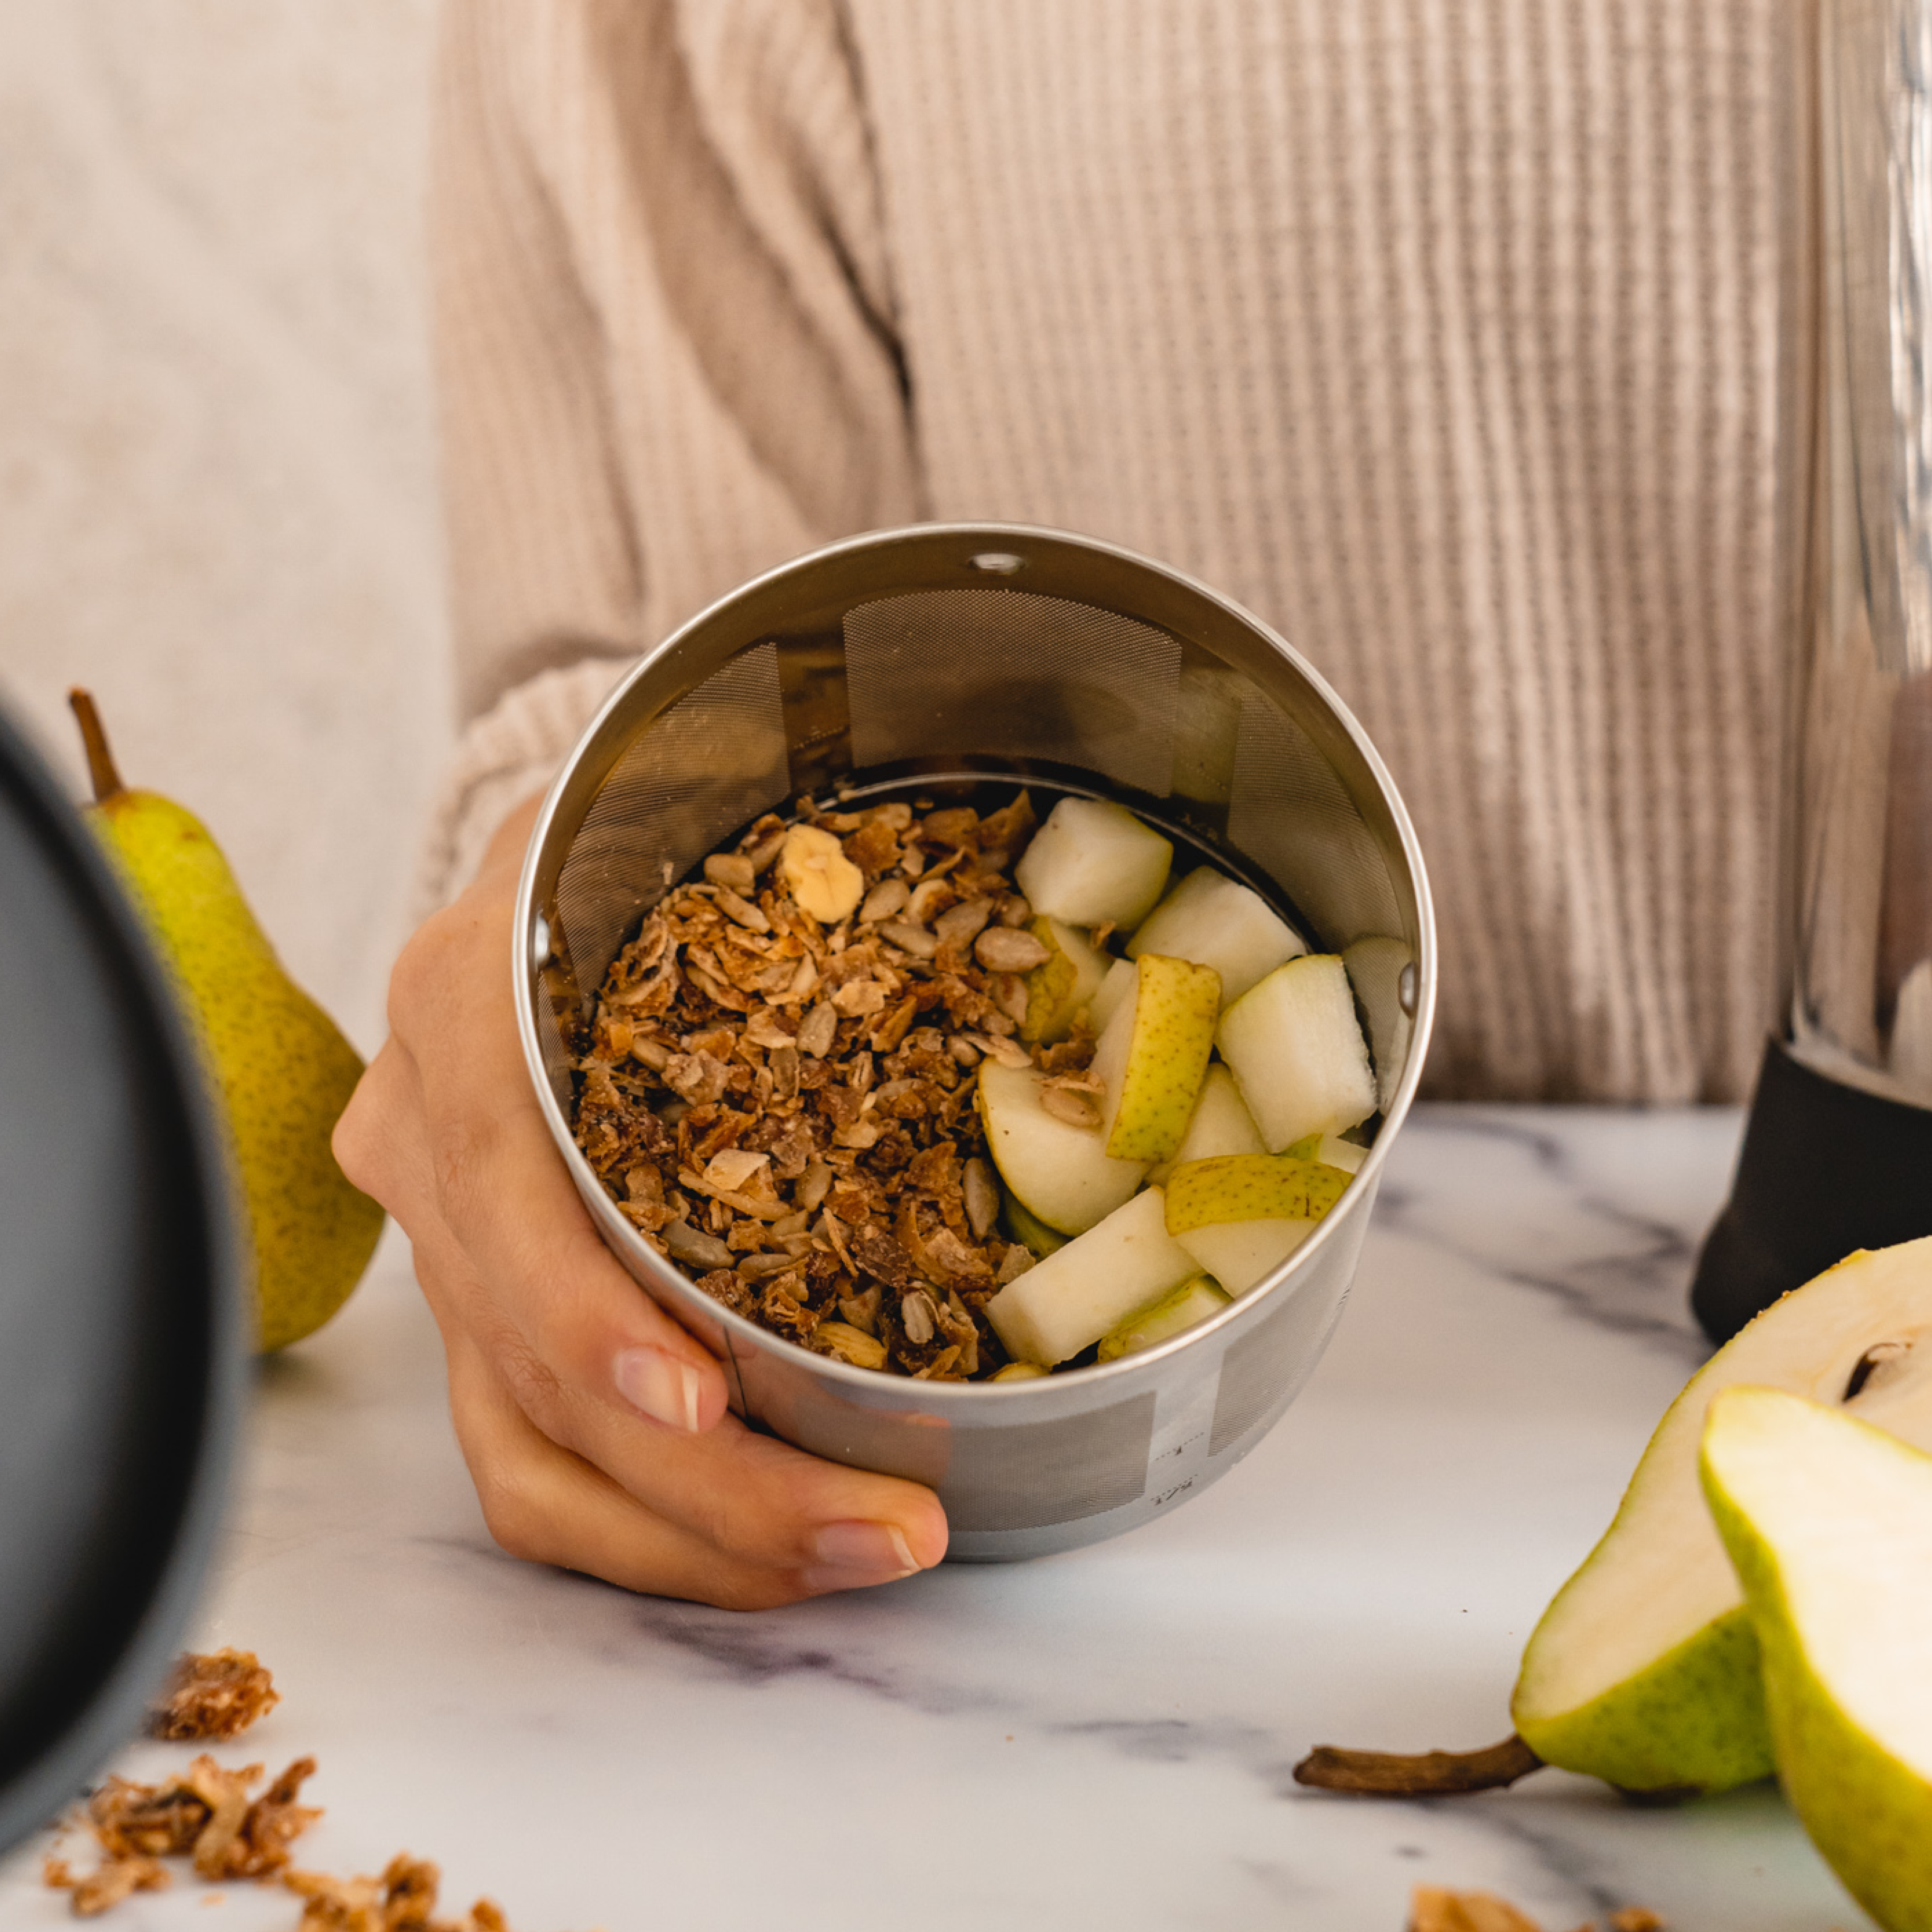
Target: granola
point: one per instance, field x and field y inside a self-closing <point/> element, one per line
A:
<point x="777" y="1087"/>
<point x="213" y="1697"/>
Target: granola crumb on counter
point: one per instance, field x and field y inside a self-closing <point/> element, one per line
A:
<point x="1434" y="1908"/>
<point x="778" y="1085"/>
<point x="213" y="1697"/>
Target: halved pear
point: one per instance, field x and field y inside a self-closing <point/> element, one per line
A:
<point x="1241" y="1216"/>
<point x="1062" y="982"/>
<point x="1093" y="863"/>
<point x="1829" y="1524"/>
<point x="1152" y="1057"/>
<point x="1217" y="921"/>
<point x="1644" y="1670"/>
<point x="1060" y="1172"/>
<point x="1070" y="1299"/>
<point x="1297" y="1053"/>
<point x="1375" y="967"/>
<point x="1177" y="1311"/>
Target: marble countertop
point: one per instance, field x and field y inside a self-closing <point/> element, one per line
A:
<point x="1102" y="1737"/>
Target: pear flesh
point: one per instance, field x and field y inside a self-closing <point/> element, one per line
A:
<point x="1217" y="921"/>
<point x="1067" y="1302"/>
<point x="1028" y="1229"/>
<point x="1174" y="1314"/>
<point x="1644" y="1670"/>
<point x="1093" y="863"/>
<point x="1297" y="1052"/>
<point x="1829" y="1524"/>
<point x="281" y="1066"/>
<point x="1375" y="967"/>
<point x="1064" y="982"/>
<point x="1120" y="980"/>
<point x="1220" y="1124"/>
<point x="1059" y="1172"/>
<point x="1152" y="1057"/>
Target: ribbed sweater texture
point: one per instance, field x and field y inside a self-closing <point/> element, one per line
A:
<point x="1445" y="334"/>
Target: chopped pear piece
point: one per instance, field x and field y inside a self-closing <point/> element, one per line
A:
<point x="1093" y="863"/>
<point x="1064" y="982"/>
<point x="1297" y="1051"/>
<point x="1017" y="1372"/>
<point x="1153" y="1057"/>
<point x="1220" y="1124"/>
<point x="1028" y="1229"/>
<point x="1375" y="970"/>
<point x="1061" y="1172"/>
<point x="1644" y="1670"/>
<point x="1120" y="981"/>
<point x="1183" y="1308"/>
<point x="1331" y="1151"/>
<point x="1250" y="1187"/>
<point x="1829" y="1525"/>
<point x="1241" y="1254"/>
<point x="1217" y="921"/>
<point x="1071" y="1299"/>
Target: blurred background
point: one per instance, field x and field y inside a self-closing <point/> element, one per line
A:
<point x="217" y="474"/>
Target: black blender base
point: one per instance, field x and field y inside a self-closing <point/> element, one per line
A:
<point x="1826" y="1168"/>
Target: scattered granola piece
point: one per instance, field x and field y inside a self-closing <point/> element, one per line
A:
<point x="1434" y="1909"/>
<point x="116" y="1878"/>
<point x="213" y="1697"/>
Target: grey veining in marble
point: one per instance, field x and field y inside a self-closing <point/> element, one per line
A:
<point x="1100" y="1738"/>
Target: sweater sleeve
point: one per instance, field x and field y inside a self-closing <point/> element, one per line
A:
<point x="665" y="341"/>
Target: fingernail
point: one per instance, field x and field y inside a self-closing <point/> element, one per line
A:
<point x="664" y="1388"/>
<point x="847" y="1555"/>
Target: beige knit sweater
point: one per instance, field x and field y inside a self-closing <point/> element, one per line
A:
<point x="1443" y="334"/>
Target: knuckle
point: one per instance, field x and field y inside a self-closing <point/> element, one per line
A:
<point x="516" y="1524"/>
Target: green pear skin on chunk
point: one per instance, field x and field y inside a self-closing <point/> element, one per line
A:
<point x="1331" y="1151"/>
<point x="1152" y="1057"/>
<point x="1028" y="1229"/>
<point x="1644" y="1670"/>
<point x="1297" y="1051"/>
<point x="1068" y="1301"/>
<point x="1250" y="1187"/>
<point x="1064" y="982"/>
<point x="1375" y="970"/>
<point x="1093" y="863"/>
<point x="1217" y="921"/>
<point x="1829" y="1523"/>
<point x="1183" y="1308"/>
<point x="1241" y="1255"/>
<point x="1060" y="1172"/>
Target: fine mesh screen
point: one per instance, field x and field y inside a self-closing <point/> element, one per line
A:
<point x="702" y="768"/>
<point x="1290" y="814"/>
<point x="937" y="672"/>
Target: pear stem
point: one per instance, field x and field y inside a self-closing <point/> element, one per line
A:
<point x="101" y="766"/>
<point x="1427" y="1775"/>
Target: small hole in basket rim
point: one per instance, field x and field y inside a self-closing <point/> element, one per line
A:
<point x="997" y="562"/>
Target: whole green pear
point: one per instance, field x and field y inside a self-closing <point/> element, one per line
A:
<point x="281" y="1066"/>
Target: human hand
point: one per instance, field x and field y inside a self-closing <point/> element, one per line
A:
<point x="594" y="1426"/>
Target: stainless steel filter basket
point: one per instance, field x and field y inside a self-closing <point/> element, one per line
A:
<point x="936" y="655"/>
